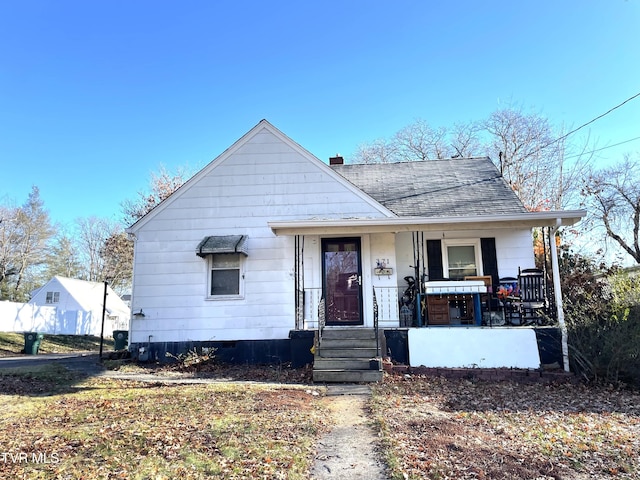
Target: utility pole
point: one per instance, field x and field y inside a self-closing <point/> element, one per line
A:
<point x="104" y="310"/>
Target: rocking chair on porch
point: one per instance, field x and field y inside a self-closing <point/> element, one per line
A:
<point x="524" y="298"/>
<point x="533" y="300"/>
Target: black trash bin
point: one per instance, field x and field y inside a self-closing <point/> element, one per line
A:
<point x="301" y="342"/>
<point x="32" y="342"/>
<point x="397" y="345"/>
<point x="120" y="339"/>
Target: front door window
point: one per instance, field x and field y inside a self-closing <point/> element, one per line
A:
<point x="342" y="281"/>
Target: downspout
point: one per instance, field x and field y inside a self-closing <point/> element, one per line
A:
<point x="558" y="293"/>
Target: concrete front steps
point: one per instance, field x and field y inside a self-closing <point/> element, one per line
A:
<point x="344" y="356"/>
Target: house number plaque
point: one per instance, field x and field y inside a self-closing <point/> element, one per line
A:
<point x="383" y="271"/>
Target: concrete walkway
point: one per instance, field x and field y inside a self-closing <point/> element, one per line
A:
<point x="349" y="450"/>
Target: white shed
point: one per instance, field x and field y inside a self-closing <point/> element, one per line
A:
<point x="79" y="306"/>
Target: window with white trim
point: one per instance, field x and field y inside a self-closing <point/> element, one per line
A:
<point x="461" y="258"/>
<point x="225" y="276"/>
<point x="52" y="297"/>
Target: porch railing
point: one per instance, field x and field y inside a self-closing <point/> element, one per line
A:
<point x="389" y="310"/>
<point x="388" y="303"/>
<point x="375" y="323"/>
<point x="311" y="306"/>
<point x="387" y="300"/>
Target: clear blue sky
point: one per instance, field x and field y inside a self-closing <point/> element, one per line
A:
<point x="94" y="95"/>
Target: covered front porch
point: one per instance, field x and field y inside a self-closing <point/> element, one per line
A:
<point x="477" y="308"/>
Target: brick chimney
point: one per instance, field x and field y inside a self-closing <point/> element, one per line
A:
<point x="337" y="160"/>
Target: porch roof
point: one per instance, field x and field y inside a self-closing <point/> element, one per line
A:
<point x="407" y="224"/>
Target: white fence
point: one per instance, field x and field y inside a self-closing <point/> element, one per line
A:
<point x="26" y="317"/>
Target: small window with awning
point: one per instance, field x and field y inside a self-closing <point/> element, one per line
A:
<point x="224" y="257"/>
<point x="222" y="244"/>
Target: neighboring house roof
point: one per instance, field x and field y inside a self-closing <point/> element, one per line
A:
<point x="436" y="188"/>
<point x="88" y="295"/>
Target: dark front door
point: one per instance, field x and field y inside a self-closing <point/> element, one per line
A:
<point x="342" y="281"/>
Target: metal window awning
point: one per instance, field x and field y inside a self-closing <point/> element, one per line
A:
<point x="221" y="244"/>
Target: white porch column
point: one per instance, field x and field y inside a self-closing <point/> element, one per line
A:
<point x="558" y="294"/>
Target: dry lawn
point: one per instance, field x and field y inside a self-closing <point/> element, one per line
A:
<point x="12" y="343"/>
<point x="55" y="424"/>
<point x="106" y="428"/>
<point x="435" y="428"/>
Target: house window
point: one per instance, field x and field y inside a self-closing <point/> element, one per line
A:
<point x="461" y="259"/>
<point x="225" y="278"/>
<point x="53" y="297"/>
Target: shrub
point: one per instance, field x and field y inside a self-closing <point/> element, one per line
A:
<point x="602" y="313"/>
<point x="194" y="359"/>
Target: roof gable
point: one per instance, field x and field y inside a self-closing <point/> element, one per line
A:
<point x="246" y="145"/>
<point x="436" y="188"/>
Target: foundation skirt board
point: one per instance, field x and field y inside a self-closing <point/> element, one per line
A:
<point x="459" y="347"/>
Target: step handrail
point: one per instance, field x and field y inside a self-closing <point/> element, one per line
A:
<point x="375" y="322"/>
<point x="321" y="319"/>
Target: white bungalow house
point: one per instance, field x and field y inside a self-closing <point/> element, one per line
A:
<point x="79" y="307"/>
<point x="267" y="246"/>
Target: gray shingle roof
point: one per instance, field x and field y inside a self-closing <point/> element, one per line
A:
<point x="436" y="188"/>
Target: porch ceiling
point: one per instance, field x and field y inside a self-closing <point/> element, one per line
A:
<point x="407" y="224"/>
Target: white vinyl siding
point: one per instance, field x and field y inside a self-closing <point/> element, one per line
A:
<point x="265" y="179"/>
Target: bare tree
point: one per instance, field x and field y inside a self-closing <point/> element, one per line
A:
<point x="162" y="185"/>
<point x="526" y="155"/>
<point x="532" y="155"/>
<point x="9" y="235"/>
<point x="24" y="235"/>
<point x="613" y="198"/>
<point x="92" y="234"/>
<point x="465" y="141"/>
<point x="117" y="259"/>
<point x="419" y="141"/>
<point x="533" y="158"/>
<point x="415" y="142"/>
<point x="378" y="151"/>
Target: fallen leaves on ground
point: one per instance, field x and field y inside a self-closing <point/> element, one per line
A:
<point x="279" y="373"/>
<point x="124" y="429"/>
<point x="457" y="429"/>
<point x="44" y="379"/>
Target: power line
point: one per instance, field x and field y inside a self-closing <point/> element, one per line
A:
<point x="603" y="148"/>
<point x="588" y="123"/>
